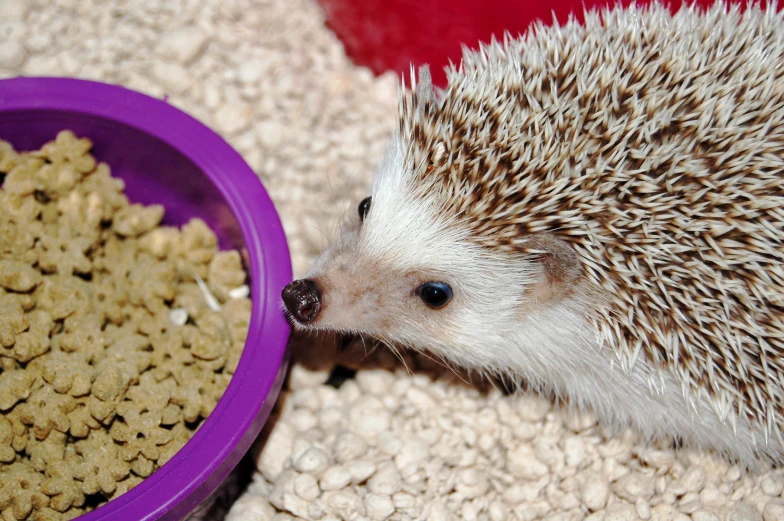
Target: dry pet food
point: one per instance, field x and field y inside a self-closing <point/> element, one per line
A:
<point x="112" y="348"/>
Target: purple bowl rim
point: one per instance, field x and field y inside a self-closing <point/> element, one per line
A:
<point x="262" y="233"/>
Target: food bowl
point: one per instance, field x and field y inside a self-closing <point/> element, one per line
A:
<point x="167" y="157"/>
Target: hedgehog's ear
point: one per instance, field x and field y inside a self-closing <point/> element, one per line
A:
<point x="559" y="266"/>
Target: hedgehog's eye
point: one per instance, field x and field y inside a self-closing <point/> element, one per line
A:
<point x="364" y="208"/>
<point x="435" y="295"/>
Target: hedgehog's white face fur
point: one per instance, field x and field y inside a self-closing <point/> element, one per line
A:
<point x="369" y="283"/>
<point x="606" y="203"/>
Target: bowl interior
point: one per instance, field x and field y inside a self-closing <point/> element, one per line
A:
<point x="153" y="170"/>
<point x="166" y="157"/>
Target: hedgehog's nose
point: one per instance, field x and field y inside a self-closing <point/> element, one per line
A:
<point x="302" y="299"/>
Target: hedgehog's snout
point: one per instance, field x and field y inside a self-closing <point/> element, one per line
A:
<point x="302" y="299"/>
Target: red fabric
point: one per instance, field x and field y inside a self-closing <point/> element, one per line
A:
<point x="392" y="34"/>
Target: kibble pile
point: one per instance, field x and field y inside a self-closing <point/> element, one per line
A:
<point x="110" y="355"/>
<point x="387" y="444"/>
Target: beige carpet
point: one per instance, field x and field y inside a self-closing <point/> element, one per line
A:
<point x="389" y="443"/>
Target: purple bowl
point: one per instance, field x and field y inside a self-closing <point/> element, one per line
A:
<point x="167" y="157"/>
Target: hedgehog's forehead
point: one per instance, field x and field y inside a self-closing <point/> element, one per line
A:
<point x="405" y="228"/>
<point x="404" y="231"/>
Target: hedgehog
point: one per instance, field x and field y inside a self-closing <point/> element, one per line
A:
<point x="595" y="209"/>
